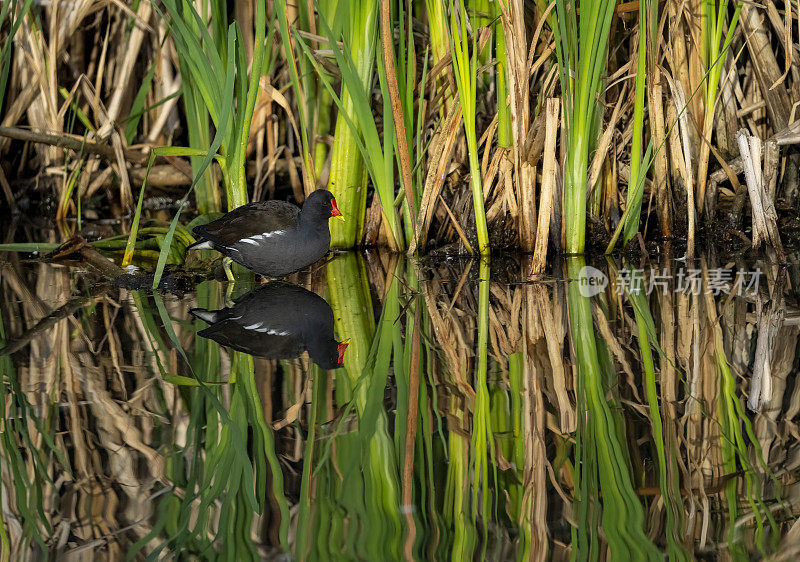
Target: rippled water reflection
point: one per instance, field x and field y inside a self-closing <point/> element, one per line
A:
<point x="607" y="412"/>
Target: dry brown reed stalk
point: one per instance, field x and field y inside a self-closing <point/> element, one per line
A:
<point x="548" y="191"/>
<point x="550" y="318"/>
<point x="37" y="62"/>
<point x="765" y="218"/>
<point x="519" y="56"/>
<point x="441" y="150"/>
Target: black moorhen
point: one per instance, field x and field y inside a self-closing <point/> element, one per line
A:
<point x="273" y="238"/>
<point x="277" y="321"/>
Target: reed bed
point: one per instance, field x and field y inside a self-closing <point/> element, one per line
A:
<point x="479" y="414"/>
<point x="405" y="111"/>
<point x="455" y="429"/>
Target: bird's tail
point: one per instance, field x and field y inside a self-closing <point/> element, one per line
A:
<point x="199" y="235"/>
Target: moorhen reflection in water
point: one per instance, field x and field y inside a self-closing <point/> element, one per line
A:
<point x="277" y="321"/>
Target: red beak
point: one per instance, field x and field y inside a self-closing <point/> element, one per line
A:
<point x="340" y="348"/>
<point x="335" y="212"/>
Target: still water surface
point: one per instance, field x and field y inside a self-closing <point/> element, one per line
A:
<point x="609" y="412"/>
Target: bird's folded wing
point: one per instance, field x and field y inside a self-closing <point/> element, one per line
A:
<point x="250" y="221"/>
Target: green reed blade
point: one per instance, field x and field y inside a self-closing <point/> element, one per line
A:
<point x="581" y="47"/>
<point x="9" y="10"/>
<point x="465" y="69"/>
<point x="237" y="194"/>
<point x="371" y="464"/>
<point x="482" y="444"/>
<point x="294" y="77"/>
<point x="30" y="247"/>
<point x="504" y="136"/>
<point x="635" y="182"/>
<point x="222" y="131"/>
<point x="359" y="142"/>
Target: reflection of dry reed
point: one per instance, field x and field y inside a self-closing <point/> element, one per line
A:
<point x="96" y="398"/>
<point x="688" y="383"/>
<point x="521" y="319"/>
<point x="94" y="382"/>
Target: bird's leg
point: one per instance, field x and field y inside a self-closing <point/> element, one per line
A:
<point x="226" y="265"/>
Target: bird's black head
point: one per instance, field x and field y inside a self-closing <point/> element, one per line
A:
<point x="321" y="205"/>
<point x="329" y="355"/>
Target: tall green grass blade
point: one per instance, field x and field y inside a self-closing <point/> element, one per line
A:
<point x="636" y="180"/>
<point x="137" y="107"/>
<point x="437" y="31"/>
<point x="504" y="137"/>
<point x="197" y="123"/>
<point x="237" y="191"/>
<point x="15" y="17"/>
<point x="465" y="68"/>
<point x="357" y="134"/>
<point x="294" y="77"/>
<point x="714" y="50"/>
<point x="222" y="130"/>
<point x="581" y="47"/>
<point x="358" y="21"/>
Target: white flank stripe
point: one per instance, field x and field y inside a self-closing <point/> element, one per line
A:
<point x="259" y="327"/>
<point x="263" y="236"/>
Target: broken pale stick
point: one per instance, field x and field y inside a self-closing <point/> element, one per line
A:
<point x="765" y="218"/>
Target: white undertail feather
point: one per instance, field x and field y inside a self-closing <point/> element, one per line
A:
<point x="202" y="246"/>
<point x="209" y="316"/>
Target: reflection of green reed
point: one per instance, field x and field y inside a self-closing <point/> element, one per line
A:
<point x="510" y="435"/>
<point x="482" y="439"/>
<point x="667" y="478"/>
<point x="383" y="480"/>
<point x="220" y="476"/>
<point x="352" y="503"/>
<point x="602" y="476"/>
<point x="429" y="447"/>
<point x="469" y="455"/>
